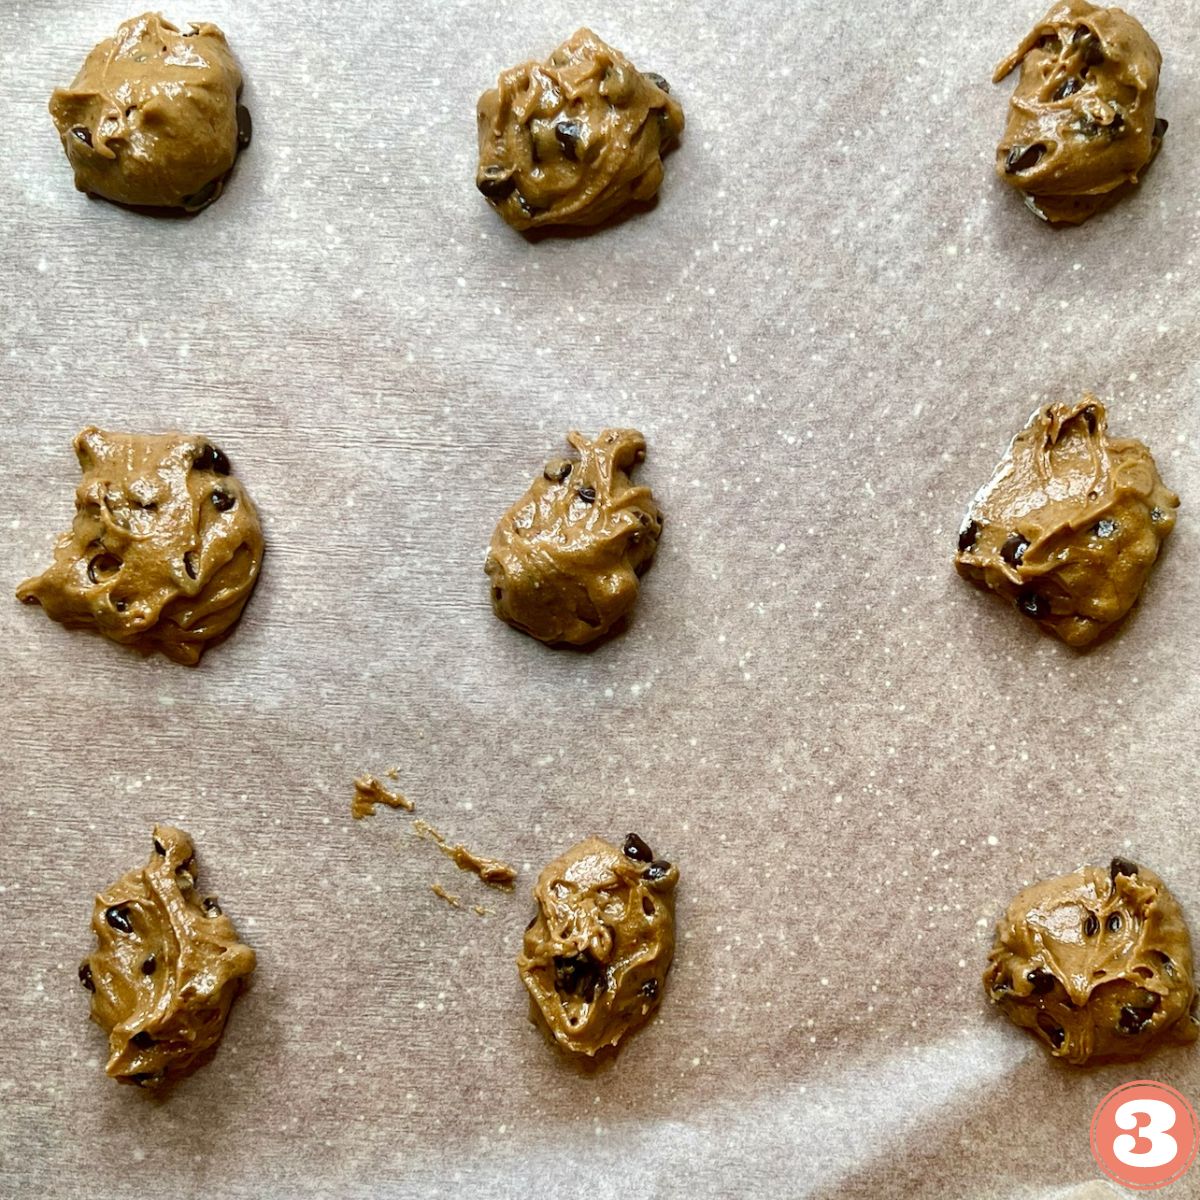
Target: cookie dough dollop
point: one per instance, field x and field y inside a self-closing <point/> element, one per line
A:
<point x="565" y="560"/>
<point x="1081" y="124"/>
<point x="165" y="548"/>
<point x="152" y="118"/>
<point x="166" y="968"/>
<point x="596" y="954"/>
<point x="575" y="139"/>
<point x="1070" y="523"/>
<point x="1096" y="964"/>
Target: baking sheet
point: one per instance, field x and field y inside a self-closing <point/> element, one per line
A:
<point x="828" y="330"/>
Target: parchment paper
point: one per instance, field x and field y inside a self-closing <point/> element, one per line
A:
<point x="828" y="329"/>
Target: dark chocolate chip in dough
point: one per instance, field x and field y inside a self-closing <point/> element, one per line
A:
<point x="118" y="918"/>
<point x="1122" y="866"/>
<point x="1068" y="87"/>
<point x="85" y="976"/>
<point x="658" y="81"/>
<point x="587" y="495"/>
<point x="211" y="458"/>
<point x="636" y="849"/>
<point x="578" y="975"/>
<point x="496" y="183"/>
<point x="1024" y="158"/>
<point x="1041" y="980"/>
<point x="1161" y="125"/>
<point x="210" y="906"/>
<point x="222" y="500"/>
<point x="658" y="869"/>
<point x="83" y="134"/>
<point x="142" y="1040"/>
<point x="1034" y="605"/>
<point x="1113" y="924"/>
<point x="968" y="536"/>
<point x="245" y="126"/>
<point x="149" y="965"/>
<point x="1091" y="926"/>
<point x="189" y="564"/>
<point x="568" y="134"/>
<point x="649" y="989"/>
<point x="205" y="196"/>
<point x="102" y="567"/>
<point x="1013" y="550"/>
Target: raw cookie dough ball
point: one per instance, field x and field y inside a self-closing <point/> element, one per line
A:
<point x="1081" y="125"/>
<point x="1097" y="964"/>
<point x="1070" y="524"/>
<point x="166" y="968"/>
<point x="596" y="955"/>
<point x="152" y="118"/>
<point x="575" y="139"/>
<point x="165" y="548"/>
<point x="565" y="559"/>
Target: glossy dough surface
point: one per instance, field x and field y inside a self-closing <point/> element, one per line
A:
<point x="1096" y="964"/>
<point x="165" y="548"/>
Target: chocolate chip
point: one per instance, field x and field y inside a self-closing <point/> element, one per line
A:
<point x="636" y="849"/>
<point x="1091" y="926"/>
<point x="222" y="500"/>
<point x="496" y="183"/>
<point x="1113" y="924"/>
<point x="1033" y="605"/>
<point x="1068" y="87"/>
<point x="1041" y="980"/>
<point x="1157" y="515"/>
<point x="659" y="869"/>
<point x="142" y="1040"/>
<point x="587" y="494"/>
<point x="1161" y="125"/>
<point x="1056" y="1035"/>
<point x="210" y="906"/>
<point x="206" y="195"/>
<point x="1133" y="1020"/>
<point x="211" y="458"/>
<point x="118" y="919"/>
<point x="120" y="605"/>
<point x="1105" y="527"/>
<point x="557" y="471"/>
<point x="149" y="965"/>
<point x="85" y="976"/>
<point x="567" y="134"/>
<point x="103" y="567"/>
<point x="1088" y="45"/>
<point x="1013" y="550"/>
<point x="159" y="848"/>
<point x="578" y="975"/>
<point x="189" y="564"/>
<point x="532" y="923"/>
<point x="649" y="989"/>
<point x="1023" y="158"/>
<point x="1121" y="866"/>
<point x="83" y="134"/>
<point x="968" y="536"/>
<point x="145" y="1078"/>
<point x="245" y="127"/>
<point x="658" y="81"/>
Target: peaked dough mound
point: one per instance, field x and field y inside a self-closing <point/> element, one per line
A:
<point x="165" y="548"/>
<point x="152" y="118"/>
<point x="597" y="953"/>
<point x="1096" y="964"/>
<point x="1081" y="123"/>
<point x="575" y="139"/>
<point x="1070" y="523"/>
<point x="166" y="967"/>
<point x="564" y="561"/>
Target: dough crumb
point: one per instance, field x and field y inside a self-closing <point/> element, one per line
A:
<point x="480" y="911"/>
<point x="368" y="792"/>
<point x="449" y="897"/>
<point x="492" y="871"/>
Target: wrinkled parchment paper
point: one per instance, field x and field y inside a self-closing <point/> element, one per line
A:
<point x="828" y="330"/>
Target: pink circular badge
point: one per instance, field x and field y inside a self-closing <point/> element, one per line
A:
<point x="1144" y="1135"/>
